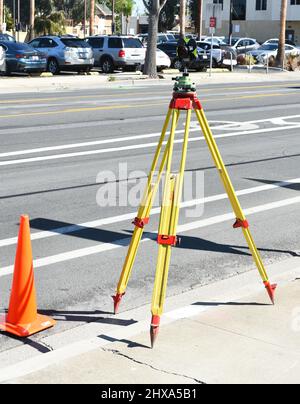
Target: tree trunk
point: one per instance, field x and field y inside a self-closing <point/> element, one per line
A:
<point x="92" y="18"/>
<point x="200" y="19"/>
<point x="32" y="18"/>
<point x="1" y="15"/>
<point x="182" y="17"/>
<point x="281" y="45"/>
<point x="150" y="68"/>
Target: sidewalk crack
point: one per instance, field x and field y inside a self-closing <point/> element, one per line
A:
<point x="118" y="353"/>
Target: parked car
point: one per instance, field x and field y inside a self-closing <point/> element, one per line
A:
<point x="243" y="45"/>
<point x="2" y="60"/>
<point x="222" y="56"/>
<point x="113" y="52"/>
<point x="199" y="64"/>
<point x="276" y="42"/>
<point x="7" y="37"/>
<point x="65" y="53"/>
<point x="122" y="52"/>
<point x="161" y="38"/>
<point x="266" y="51"/>
<point x="22" y="58"/>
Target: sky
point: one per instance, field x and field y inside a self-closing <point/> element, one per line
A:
<point x="139" y="6"/>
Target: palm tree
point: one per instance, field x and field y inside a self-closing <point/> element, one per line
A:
<point x="281" y="45"/>
<point x="53" y="24"/>
<point x="92" y="18"/>
<point x="31" y="19"/>
<point x="1" y="15"/>
<point x="126" y="8"/>
<point x="182" y="17"/>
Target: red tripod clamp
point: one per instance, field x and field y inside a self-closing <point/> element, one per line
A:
<point x="241" y="223"/>
<point x="167" y="240"/>
<point x="141" y="223"/>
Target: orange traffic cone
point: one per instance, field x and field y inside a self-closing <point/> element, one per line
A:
<point x="22" y="319"/>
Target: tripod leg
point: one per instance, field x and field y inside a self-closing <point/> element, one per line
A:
<point x="143" y="215"/>
<point x="241" y="221"/>
<point x="167" y="233"/>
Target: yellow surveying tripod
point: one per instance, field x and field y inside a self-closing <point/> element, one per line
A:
<point x="184" y="99"/>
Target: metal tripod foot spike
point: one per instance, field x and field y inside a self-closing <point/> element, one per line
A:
<point x="271" y="291"/>
<point x="117" y="301"/>
<point x="184" y="100"/>
<point x="154" y="329"/>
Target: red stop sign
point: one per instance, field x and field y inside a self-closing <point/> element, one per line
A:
<point x="213" y="22"/>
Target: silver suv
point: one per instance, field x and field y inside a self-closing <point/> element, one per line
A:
<point x="114" y="52"/>
<point x="65" y="53"/>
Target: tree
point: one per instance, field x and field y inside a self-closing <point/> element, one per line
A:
<point x="167" y="18"/>
<point x="281" y="45"/>
<point x="92" y="18"/>
<point x="1" y="15"/>
<point x="182" y="17"/>
<point x="154" y="8"/>
<point x="125" y="7"/>
<point x="32" y="18"/>
<point x="8" y="19"/>
<point x="53" y="24"/>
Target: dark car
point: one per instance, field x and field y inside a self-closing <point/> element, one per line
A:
<point x="200" y="64"/>
<point x="6" y="37"/>
<point x="22" y="58"/>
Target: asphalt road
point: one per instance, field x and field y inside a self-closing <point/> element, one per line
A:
<point x="59" y="149"/>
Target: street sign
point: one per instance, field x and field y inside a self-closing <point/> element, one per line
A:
<point x="212" y="22"/>
<point x="213" y="11"/>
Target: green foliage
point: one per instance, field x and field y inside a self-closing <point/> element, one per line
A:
<point x="8" y="18"/>
<point x="53" y="24"/>
<point x="167" y="16"/>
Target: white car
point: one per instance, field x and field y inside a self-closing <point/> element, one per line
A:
<point x="162" y="60"/>
<point x="263" y="53"/>
<point x="2" y="59"/>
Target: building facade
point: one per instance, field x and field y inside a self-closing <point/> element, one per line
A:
<point x="258" y="19"/>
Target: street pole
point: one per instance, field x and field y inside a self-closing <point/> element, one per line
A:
<point x="19" y="19"/>
<point x="32" y="18"/>
<point x="113" y="24"/>
<point x="182" y="17"/>
<point x="200" y="17"/>
<point x="84" y="21"/>
<point x="230" y="22"/>
<point x="1" y="15"/>
<point x="92" y="18"/>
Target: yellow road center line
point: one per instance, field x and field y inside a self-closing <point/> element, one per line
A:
<point x="32" y="100"/>
<point x="128" y="106"/>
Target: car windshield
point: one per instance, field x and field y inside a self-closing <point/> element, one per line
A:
<point x="269" y="47"/>
<point x="131" y="43"/>
<point x="19" y="46"/>
<point x="233" y="41"/>
<point x="75" y="43"/>
<point x="5" y="37"/>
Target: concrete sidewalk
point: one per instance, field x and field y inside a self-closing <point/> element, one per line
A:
<point x="98" y="81"/>
<point x="212" y="341"/>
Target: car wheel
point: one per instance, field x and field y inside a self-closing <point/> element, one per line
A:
<point x="107" y="65"/>
<point x="178" y="64"/>
<point x="53" y="66"/>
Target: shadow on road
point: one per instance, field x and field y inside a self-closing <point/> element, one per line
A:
<point x="286" y="184"/>
<point x="130" y="344"/>
<point x="216" y="304"/>
<point x="82" y="186"/>
<point x="86" y="317"/>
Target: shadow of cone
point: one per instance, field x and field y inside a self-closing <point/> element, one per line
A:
<point x="22" y="319"/>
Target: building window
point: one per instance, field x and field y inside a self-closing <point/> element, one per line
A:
<point x="239" y="10"/>
<point x="295" y="2"/>
<point x="219" y="2"/>
<point x="261" y="5"/>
